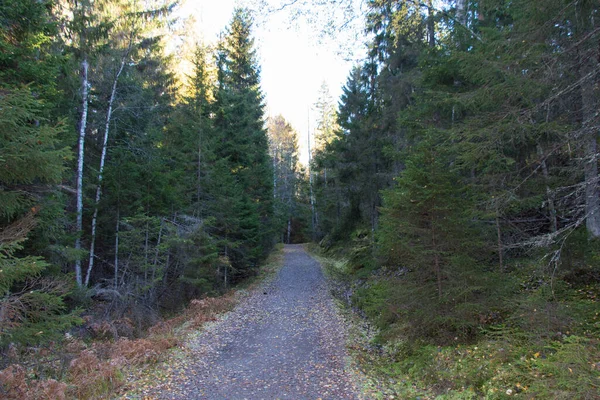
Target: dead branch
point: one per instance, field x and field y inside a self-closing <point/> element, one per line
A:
<point x="19" y="229"/>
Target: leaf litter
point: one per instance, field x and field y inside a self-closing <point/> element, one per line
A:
<point x="284" y="340"/>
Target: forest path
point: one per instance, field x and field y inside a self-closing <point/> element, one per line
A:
<point x="284" y="341"/>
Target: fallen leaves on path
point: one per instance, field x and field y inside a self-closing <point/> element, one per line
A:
<point x="284" y="340"/>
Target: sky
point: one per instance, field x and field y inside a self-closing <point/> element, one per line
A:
<point x="294" y="62"/>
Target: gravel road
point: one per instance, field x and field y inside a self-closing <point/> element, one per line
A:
<point x="284" y="341"/>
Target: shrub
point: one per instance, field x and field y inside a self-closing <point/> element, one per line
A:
<point x="14" y="385"/>
<point x="91" y="377"/>
<point x="142" y="351"/>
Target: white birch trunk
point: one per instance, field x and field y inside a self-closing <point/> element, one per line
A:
<point x="80" y="163"/>
<point x="101" y="171"/>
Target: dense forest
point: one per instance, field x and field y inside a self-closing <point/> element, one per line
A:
<point x="460" y="190"/>
<point x="466" y="150"/>
<point x="455" y="185"/>
<point x="121" y="183"/>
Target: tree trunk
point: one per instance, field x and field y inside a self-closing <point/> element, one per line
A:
<point x="436" y="259"/>
<point x="374" y="223"/>
<point x="592" y="194"/>
<point x="199" y="172"/>
<point x="289" y="229"/>
<point x="275" y="174"/>
<point x="430" y="24"/>
<point x="499" y="239"/>
<point x="313" y="208"/>
<point x="146" y="251"/>
<point x="590" y="130"/>
<point x="225" y="272"/>
<point x="117" y="251"/>
<point x="157" y="252"/>
<point x="80" y="163"/>
<point x="551" y="206"/>
<point x="113" y="93"/>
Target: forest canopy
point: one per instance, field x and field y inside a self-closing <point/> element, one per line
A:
<point x="455" y="180"/>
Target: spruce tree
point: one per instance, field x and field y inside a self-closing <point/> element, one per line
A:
<point x="242" y="141"/>
<point x="32" y="163"/>
<point x="33" y="308"/>
<point x="283" y="143"/>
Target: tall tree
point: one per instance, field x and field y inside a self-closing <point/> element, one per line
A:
<point x="85" y="33"/>
<point x="283" y="146"/>
<point x="243" y="141"/>
<point x="131" y="32"/>
<point x="32" y="163"/>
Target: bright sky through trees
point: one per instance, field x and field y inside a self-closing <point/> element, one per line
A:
<point x="294" y="64"/>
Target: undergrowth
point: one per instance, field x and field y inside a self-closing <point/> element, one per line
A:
<point x="89" y="370"/>
<point x="109" y="364"/>
<point x="541" y="339"/>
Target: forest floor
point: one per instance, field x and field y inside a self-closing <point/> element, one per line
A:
<point x="285" y="339"/>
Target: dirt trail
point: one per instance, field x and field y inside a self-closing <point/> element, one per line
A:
<point x="284" y="341"/>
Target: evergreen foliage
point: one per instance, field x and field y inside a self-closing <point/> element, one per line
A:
<point x="32" y="308"/>
<point x="465" y="147"/>
<point x="175" y="192"/>
<point x="289" y="215"/>
<point x="242" y="148"/>
<point x="459" y="172"/>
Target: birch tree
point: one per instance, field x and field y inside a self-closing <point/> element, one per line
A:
<point x="84" y="33"/>
<point x="127" y="31"/>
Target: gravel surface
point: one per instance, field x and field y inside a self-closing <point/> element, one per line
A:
<point x="284" y="341"/>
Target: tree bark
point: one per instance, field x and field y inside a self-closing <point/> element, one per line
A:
<point x="80" y="163"/>
<point x="101" y="170"/>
